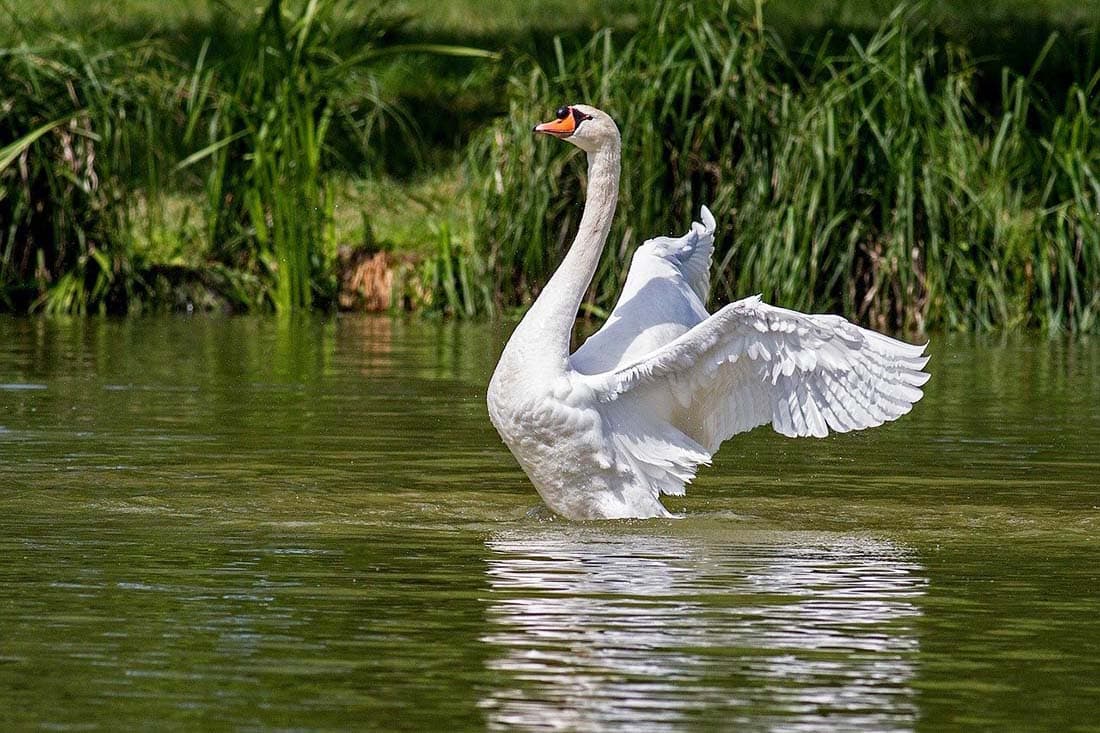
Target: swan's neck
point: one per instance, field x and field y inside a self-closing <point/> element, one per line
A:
<point x="545" y="331"/>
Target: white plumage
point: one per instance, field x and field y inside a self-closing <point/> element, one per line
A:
<point x="602" y="433"/>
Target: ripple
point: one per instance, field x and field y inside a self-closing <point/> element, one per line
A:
<point x="596" y="631"/>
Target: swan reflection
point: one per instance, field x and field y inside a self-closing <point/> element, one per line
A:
<point x="593" y="629"/>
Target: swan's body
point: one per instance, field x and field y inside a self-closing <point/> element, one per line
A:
<point x="602" y="433"/>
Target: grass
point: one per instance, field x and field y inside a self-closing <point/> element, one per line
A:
<point x="265" y="130"/>
<point x="870" y="181"/>
<point x="75" y="119"/>
<point x="301" y="76"/>
<point x="269" y="207"/>
<point x="938" y="171"/>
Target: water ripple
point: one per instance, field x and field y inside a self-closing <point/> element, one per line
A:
<point x="597" y="632"/>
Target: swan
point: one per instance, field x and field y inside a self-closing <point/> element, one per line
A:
<point x="603" y="432"/>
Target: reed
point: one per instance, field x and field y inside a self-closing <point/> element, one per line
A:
<point x="869" y="181"/>
<point x="77" y="122"/>
<point x="451" y="277"/>
<point x="265" y="118"/>
<point x="892" y="179"/>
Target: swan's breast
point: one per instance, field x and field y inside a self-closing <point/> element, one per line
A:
<point x="528" y="416"/>
<point x="556" y="433"/>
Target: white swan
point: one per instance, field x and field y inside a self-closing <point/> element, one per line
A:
<point x="602" y="433"/>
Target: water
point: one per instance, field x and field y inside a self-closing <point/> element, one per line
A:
<point x="246" y="523"/>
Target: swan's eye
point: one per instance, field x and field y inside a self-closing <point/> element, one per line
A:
<point x="580" y="117"/>
<point x="563" y="112"/>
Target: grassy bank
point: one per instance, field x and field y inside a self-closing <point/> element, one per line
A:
<point x="872" y="179"/>
<point x="938" y="171"/>
<point x="137" y="170"/>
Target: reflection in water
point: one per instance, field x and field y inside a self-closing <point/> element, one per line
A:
<point x="259" y="523"/>
<point x="593" y="630"/>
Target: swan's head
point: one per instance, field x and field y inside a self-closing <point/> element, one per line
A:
<point x="586" y="127"/>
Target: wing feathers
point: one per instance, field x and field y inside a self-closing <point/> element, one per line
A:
<point x="751" y="363"/>
<point x="660" y="457"/>
<point x="747" y="365"/>
<point x="690" y="254"/>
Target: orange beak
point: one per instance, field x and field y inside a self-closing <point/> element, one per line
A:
<point x="562" y="127"/>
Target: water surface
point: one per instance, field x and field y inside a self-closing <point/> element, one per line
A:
<point x="310" y="524"/>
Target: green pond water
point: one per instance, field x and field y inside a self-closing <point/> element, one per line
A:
<point x="240" y="523"/>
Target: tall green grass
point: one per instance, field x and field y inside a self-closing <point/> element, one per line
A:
<point x="267" y="114"/>
<point x="263" y="126"/>
<point x="885" y="178"/>
<point x="869" y="181"/>
<point x="74" y="122"/>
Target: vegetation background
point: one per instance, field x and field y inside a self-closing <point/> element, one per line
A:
<point x="920" y="167"/>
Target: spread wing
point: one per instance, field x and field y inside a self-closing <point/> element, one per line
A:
<point x="690" y="254"/>
<point x="752" y="364"/>
<point x="663" y="297"/>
